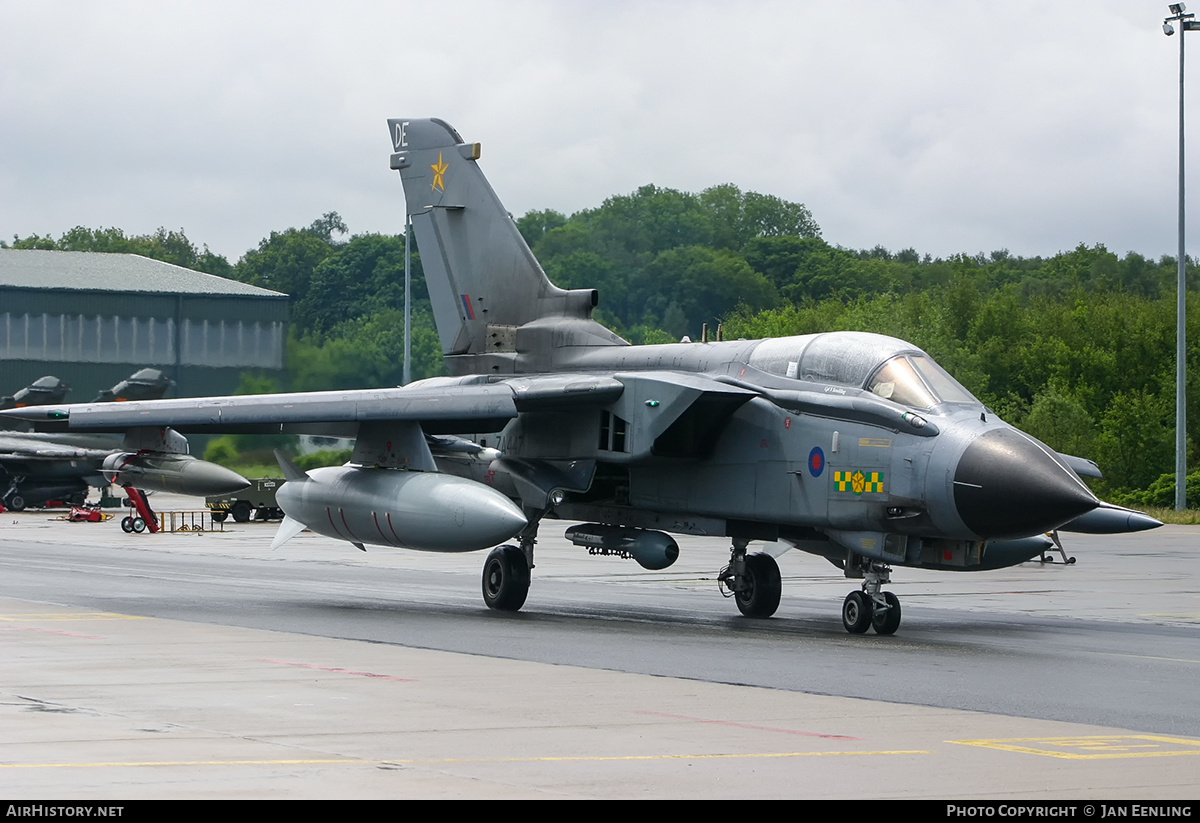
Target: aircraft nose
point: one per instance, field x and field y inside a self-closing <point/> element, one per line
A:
<point x="1009" y="485"/>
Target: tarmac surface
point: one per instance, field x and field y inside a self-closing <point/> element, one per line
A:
<point x="204" y="665"/>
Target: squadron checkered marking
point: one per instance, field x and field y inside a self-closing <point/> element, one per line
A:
<point x="858" y="481"/>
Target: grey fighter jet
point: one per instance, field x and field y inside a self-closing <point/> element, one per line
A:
<point x="48" y="389"/>
<point x="36" y="467"/>
<point x="855" y="447"/>
<point x="144" y="384"/>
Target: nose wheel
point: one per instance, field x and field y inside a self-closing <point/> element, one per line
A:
<point x="887" y="619"/>
<point x="857" y="611"/>
<point x="872" y="608"/>
<point x="861" y="612"/>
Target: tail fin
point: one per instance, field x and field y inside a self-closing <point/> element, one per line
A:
<point x="41" y="392"/>
<point x="144" y="384"/>
<point x="484" y="282"/>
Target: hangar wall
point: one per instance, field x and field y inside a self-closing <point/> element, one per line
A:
<point x="93" y="319"/>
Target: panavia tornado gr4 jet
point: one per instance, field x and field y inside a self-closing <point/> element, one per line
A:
<point x="37" y="467"/>
<point x="854" y="447"/>
<point x="48" y="389"/>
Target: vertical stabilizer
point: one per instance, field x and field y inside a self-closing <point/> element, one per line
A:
<point x="144" y="384"/>
<point x="41" y="392"/>
<point x="483" y="280"/>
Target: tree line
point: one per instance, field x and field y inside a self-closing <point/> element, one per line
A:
<point x="1077" y="348"/>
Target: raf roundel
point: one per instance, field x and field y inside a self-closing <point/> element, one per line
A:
<point x="816" y="461"/>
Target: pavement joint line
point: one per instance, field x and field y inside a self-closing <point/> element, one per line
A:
<point x="747" y="726"/>
<point x="444" y="760"/>
<point x="1148" y="657"/>
<point x="338" y="670"/>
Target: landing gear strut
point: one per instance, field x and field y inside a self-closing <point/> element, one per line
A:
<point x="1058" y="547"/>
<point x="13" y="500"/>
<point x="872" y="607"/>
<point x="753" y="580"/>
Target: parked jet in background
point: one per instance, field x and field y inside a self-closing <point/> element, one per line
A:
<point x="44" y="390"/>
<point x="37" y="468"/>
<point x="855" y="447"/>
<point x="145" y="384"/>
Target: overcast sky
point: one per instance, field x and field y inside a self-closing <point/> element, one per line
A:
<point x="940" y="126"/>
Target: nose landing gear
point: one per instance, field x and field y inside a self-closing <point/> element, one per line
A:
<point x="872" y="607"/>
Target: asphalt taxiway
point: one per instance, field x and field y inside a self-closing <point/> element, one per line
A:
<point x="206" y="665"/>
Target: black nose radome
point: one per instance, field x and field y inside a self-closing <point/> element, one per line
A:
<point x="1009" y="485"/>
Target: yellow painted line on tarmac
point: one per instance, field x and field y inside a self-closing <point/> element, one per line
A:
<point x="67" y="616"/>
<point x="444" y="760"/>
<point x="1190" y="616"/>
<point x="1093" y="747"/>
<point x="600" y="759"/>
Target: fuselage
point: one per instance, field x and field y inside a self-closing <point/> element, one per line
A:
<point x="859" y="436"/>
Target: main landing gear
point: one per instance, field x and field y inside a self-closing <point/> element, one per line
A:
<point x="872" y="607"/>
<point x="752" y="580"/>
<point x="506" y="572"/>
<point x="14" y="501"/>
<point x="505" y="579"/>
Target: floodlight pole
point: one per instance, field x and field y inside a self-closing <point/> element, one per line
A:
<point x="1186" y="24"/>
<point x="407" y="298"/>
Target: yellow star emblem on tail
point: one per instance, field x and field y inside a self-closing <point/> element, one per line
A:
<point x="439" y="173"/>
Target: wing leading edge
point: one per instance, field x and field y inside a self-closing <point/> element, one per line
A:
<point x="441" y="410"/>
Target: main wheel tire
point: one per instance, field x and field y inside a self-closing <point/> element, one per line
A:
<point x="505" y="579"/>
<point x="241" y="512"/>
<point x="857" y="611"/>
<point x="762" y="587"/>
<point x="886" y="621"/>
<point x="15" y="503"/>
<point x="127" y="525"/>
<point x="139" y="525"/>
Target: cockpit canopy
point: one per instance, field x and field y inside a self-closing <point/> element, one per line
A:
<point x="884" y="366"/>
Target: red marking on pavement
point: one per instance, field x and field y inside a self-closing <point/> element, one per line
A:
<point x="340" y="670"/>
<point x="65" y="634"/>
<point x="750" y="726"/>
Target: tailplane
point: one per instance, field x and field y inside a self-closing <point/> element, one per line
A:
<point x="495" y="309"/>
